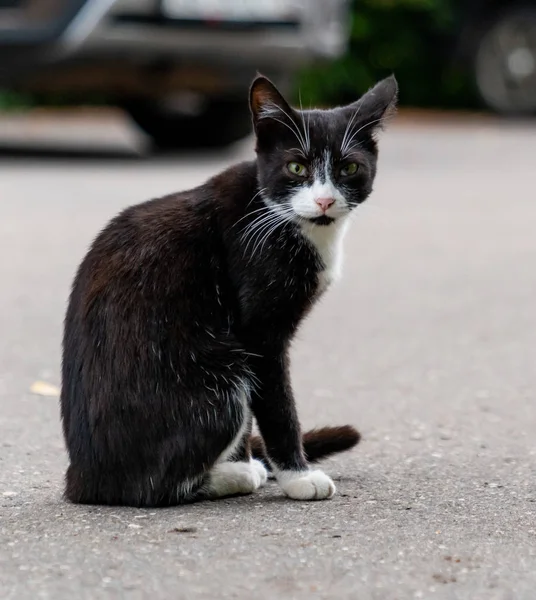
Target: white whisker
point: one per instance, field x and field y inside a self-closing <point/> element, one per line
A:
<point x="264" y="222"/>
<point x="309" y="129"/>
<point x="301" y="134"/>
<point x="257" y="221"/>
<point x="258" y="218"/>
<point x="253" y="211"/>
<point x="346" y="141"/>
<point x="261" y="191"/>
<point x="257" y="227"/>
<point x="305" y="127"/>
<point x="294" y="128"/>
<point x="348" y="130"/>
<point x="260" y="231"/>
<point x="270" y="227"/>
<point x="282" y="219"/>
<point x="368" y="124"/>
<point x="268" y="234"/>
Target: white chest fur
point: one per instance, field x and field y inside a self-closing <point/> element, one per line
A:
<point x="328" y="242"/>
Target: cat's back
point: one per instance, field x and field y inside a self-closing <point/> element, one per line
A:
<point x="168" y="234"/>
<point x="146" y="232"/>
<point x="165" y="250"/>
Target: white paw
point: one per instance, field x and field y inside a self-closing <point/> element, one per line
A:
<point x="261" y="471"/>
<point x="230" y="478"/>
<point x="309" y="485"/>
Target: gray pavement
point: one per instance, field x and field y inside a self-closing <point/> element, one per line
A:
<point x="427" y="345"/>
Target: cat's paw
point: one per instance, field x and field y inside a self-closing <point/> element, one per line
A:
<point x="261" y="471"/>
<point x="306" y="485"/>
<point x="231" y="478"/>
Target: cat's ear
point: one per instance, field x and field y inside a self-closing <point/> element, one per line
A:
<point x="266" y="101"/>
<point x="377" y="105"/>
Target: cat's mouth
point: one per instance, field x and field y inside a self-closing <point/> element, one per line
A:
<point x="322" y="220"/>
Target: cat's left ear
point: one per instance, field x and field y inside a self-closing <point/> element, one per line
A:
<point x="377" y="105"/>
<point x="266" y="100"/>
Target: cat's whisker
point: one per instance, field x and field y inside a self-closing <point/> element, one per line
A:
<point x="301" y="134"/>
<point x="267" y="235"/>
<point x="298" y="152"/>
<point x="348" y="125"/>
<point x="296" y="134"/>
<point x="286" y="214"/>
<point x="259" y="227"/>
<point x="266" y="225"/>
<point x="250" y="231"/>
<point x="368" y="124"/>
<point x="270" y="229"/>
<point x="261" y="191"/>
<point x="280" y="214"/>
<point x="251" y="213"/>
<point x="309" y="128"/>
<point x="305" y="127"/>
<point x="265" y="212"/>
<point x="248" y="214"/>
<point x="347" y="132"/>
<point x="295" y="128"/>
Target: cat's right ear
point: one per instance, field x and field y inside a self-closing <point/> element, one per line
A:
<point x="266" y="102"/>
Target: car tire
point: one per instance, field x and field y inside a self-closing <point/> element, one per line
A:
<point x="504" y="62"/>
<point x="220" y="123"/>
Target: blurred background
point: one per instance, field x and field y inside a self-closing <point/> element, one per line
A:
<point x="180" y="68"/>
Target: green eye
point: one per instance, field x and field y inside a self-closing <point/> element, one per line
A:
<point x="349" y="169"/>
<point x="297" y="169"/>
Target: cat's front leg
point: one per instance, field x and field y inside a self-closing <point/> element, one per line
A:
<point x="275" y="410"/>
<point x="242" y="453"/>
<point x="237" y="472"/>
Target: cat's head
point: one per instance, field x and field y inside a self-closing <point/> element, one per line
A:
<point x="317" y="165"/>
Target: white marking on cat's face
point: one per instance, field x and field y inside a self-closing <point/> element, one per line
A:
<point x="304" y="201"/>
<point x="326" y="239"/>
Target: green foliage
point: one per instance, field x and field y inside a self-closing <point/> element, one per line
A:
<point x="11" y="101"/>
<point x="17" y="102"/>
<point x="406" y="37"/>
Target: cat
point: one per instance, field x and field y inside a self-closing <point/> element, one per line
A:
<point x="181" y="314"/>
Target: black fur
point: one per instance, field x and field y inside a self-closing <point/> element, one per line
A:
<point x="171" y="318"/>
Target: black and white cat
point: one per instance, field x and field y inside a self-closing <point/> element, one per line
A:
<point x="181" y="315"/>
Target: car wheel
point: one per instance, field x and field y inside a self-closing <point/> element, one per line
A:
<point x="219" y="123"/>
<point x="505" y="62"/>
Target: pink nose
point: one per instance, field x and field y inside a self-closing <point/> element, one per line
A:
<point x="325" y="203"/>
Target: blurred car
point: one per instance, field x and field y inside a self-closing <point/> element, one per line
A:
<point x="496" y="42"/>
<point x="179" y="67"/>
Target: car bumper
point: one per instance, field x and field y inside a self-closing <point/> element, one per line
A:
<point x="137" y="32"/>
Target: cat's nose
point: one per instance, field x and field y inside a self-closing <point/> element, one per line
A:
<point x="325" y="203"/>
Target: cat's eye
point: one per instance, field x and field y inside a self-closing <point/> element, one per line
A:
<point x="297" y="169"/>
<point x="349" y="169"/>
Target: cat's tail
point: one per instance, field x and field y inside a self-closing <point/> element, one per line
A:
<point x="318" y="443"/>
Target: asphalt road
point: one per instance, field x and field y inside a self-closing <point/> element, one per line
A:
<point x="427" y="346"/>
